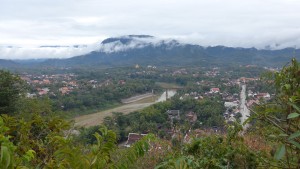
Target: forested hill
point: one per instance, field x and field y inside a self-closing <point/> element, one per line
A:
<point x="147" y="50"/>
<point x="8" y="64"/>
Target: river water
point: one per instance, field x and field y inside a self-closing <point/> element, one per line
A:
<point x="163" y="97"/>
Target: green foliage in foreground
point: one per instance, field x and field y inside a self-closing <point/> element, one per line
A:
<point x="42" y="142"/>
<point x="48" y="143"/>
<point x="279" y="120"/>
<point x="215" y="151"/>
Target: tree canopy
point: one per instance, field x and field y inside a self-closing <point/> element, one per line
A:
<point x="12" y="88"/>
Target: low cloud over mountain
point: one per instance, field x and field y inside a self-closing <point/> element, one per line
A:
<point x="109" y="45"/>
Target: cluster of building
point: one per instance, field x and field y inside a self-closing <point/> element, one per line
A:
<point x="43" y="83"/>
<point x="61" y="83"/>
<point x="255" y="97"/>
<point x="194" y="95"/>
<point x="213" y="73"/>
<point x="231" y="100"/>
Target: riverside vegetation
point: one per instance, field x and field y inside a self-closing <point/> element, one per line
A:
<point x="32" y="135"/>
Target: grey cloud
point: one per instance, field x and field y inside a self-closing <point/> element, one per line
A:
<point x="243" y="23"/>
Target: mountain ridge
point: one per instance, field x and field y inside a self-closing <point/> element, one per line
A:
<point x="145" y="49"/>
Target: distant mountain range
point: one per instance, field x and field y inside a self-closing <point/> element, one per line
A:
<point x="8" y="64"/>
<point x="148" y="50"/>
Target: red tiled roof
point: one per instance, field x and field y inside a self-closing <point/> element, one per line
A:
<point x="134" y="137"/>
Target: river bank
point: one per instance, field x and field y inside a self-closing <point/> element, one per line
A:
<point x="97" y="118"/>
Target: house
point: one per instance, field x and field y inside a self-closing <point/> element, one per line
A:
<point x="245" y="80"/>
<point x="36" y="81"/>
<point x="266" y="95"/>
<point x="214" y="90"/>
<point x="93" y="81"/>
<point x="173" y="114"/>
<point x="263" y="95"/>
<point x="187" y="138"/>
<point x="191" y="117"/>
<point x="250" y="93"/>
<point x="73" y="83"/>
<point x="122" y="82"/>
<point x="151" y="67"/>
<point x="231" y="119"/>
<point x="46" y="81"/>
<point x="43" y="91"/>
<point x="252" y="102"/>
<point x="64" y="90"/>
<point x="231" y="104"/>
<point x="229" y="98"/>
<point x="199" y="133"/>
<point x="132" y="138"/>
<point x="27" y="79"/>
<point x="107" y="83"/>
<point x="30" y="95"/>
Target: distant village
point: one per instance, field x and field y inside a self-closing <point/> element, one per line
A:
<point x="64" y="84"/>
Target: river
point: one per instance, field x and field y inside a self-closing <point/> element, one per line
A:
<point x="97" y="118"/>
<point x="163" y="97"/>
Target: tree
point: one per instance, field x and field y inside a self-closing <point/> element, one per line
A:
<point x="213" y="151"/>
<point x="12" y="88"/>
<point x="45" y="142"/>
<point x="279" y="120"/>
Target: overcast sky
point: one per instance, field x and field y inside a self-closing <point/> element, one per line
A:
<point x="243" y="23"/>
